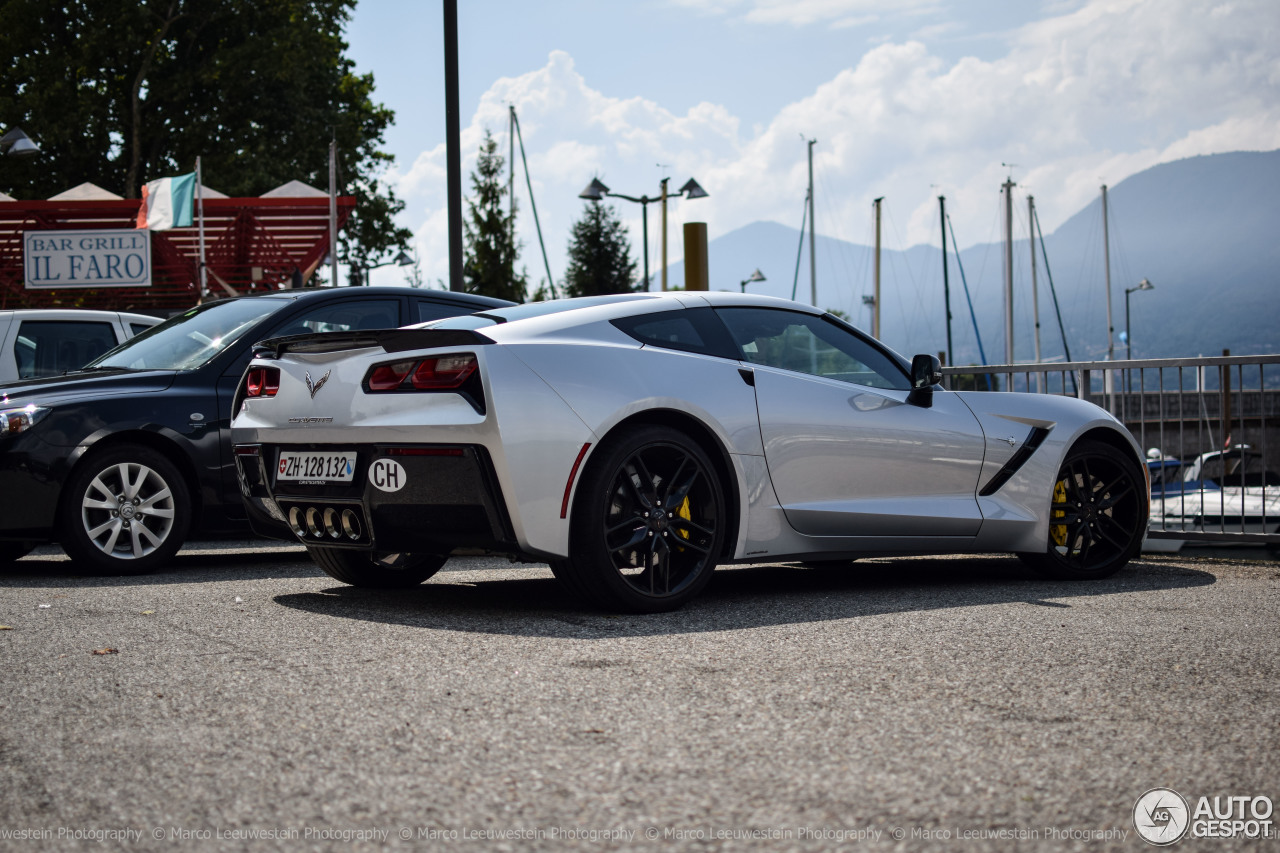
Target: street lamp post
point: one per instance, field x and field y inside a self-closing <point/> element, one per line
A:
<point x="404" y="259"/>
<point x="596" y="190"/>
<point x="755" y="276"/>
<point x="1128" y="337"/>
<point x="689" y="190"/>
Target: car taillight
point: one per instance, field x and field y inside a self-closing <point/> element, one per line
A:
<point x="262" y="382"/>
<point x="443" y="373"/>
<point x="387" y="377"/>
<point x="438" y="373"/>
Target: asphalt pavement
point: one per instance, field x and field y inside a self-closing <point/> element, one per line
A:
<point x="243" y="700"/>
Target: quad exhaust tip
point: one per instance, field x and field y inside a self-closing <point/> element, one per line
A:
<point x="328" y="522"/>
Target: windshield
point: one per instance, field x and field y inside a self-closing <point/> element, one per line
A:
<point x="191" y="339"/>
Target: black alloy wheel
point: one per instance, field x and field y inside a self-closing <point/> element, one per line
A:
<point x="376" y="571"/>
<point x="648" y="522"/>
<point x="1097" y="516"/>
<point x="125" y="510"/>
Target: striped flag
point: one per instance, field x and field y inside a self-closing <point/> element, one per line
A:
<point x="167" y="203"/>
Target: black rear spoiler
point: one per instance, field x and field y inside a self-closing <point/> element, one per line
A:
<point x="390" y="340"/>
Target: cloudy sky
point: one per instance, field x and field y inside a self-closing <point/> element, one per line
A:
<point x="906" y="99"/>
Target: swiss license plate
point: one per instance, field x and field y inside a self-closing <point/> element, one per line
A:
<point x="316" y="467"/>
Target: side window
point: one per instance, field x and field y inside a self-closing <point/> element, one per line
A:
<point x="804" y="343"/>
<point x="349" y="316"/>
<point x="137" y="329"/>
<point x="49" y="348"/>
<point x="688" y="330"/>
<point x="427" y="311"/>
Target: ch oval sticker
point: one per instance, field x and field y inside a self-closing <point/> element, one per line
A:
<point x="387" y="475"/>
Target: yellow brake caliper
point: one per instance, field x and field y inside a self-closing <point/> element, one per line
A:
<point x="1058" y="532"/>
<point x="685" y="513"/>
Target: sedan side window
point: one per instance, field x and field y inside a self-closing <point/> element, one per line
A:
<point x="791" y="340"/>
<point x="49" y="348"/>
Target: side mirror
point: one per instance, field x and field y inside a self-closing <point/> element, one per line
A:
<point x="926" y="372"/>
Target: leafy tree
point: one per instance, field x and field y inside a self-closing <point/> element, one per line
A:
<point x="599" y="254"/>
<point x="489" y="266"/>
<point x="120" y="92"/>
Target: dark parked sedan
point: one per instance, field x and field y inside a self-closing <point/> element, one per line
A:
<point x="121" y="460"/>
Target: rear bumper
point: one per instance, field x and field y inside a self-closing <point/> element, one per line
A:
<point x="440" y="497"/>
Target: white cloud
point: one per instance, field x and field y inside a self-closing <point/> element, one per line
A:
<point x="798" y="13"/>
<point x="1093" y="94"/>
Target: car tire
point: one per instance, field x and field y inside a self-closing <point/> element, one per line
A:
<point x="568" y="579"/>
<point x="125" y="511"/>
<point x="370" y="571"/>
<point x="648" y="522"/>
<point x="1100" y="510"/>
<point x="11" y="552"/>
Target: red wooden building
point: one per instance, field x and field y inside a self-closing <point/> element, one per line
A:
<point x="250" y="244"/>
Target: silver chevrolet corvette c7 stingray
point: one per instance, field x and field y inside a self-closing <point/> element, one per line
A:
<point x="636" y="441"/>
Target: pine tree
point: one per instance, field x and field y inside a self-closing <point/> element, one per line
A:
<point x="599" y="254"/>
<point x="489" y="267"/>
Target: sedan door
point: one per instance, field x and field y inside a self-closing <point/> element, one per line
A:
<point x="847" y="453"/>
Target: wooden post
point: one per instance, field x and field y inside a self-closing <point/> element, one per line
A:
<point x="696" y="271"/>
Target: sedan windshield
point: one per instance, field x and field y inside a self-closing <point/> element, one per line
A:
<point x="190" y="339"/>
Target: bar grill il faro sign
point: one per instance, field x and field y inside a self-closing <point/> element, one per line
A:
<point x="113" y="258"/>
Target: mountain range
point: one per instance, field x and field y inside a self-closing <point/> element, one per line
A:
<point x="1205" y="231"/>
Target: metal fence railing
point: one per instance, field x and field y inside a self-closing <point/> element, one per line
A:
<point x="1211" y="426"/>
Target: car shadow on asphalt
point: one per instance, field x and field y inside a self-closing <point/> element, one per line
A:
<point x="737" y="597"/>
<point x="184" y="568"/>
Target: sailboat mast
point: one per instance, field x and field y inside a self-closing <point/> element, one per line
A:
<point x="511" y="171"/>
<point x="813" y="267"/>
<point x="875" y="308"/>
<point x="1035" y="295"/>
<point x="946" y="284"/>
<point x="533" y="206"/>
<point x="1008" y="270"/>
<point x="1035" y="292"/>
<point x="1106" y="260"/>
<point x="333" y="213"/>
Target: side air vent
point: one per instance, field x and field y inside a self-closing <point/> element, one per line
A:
<point x="1016" y="461"/>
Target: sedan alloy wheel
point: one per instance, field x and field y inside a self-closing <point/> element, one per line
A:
<point x="126" y="510"/>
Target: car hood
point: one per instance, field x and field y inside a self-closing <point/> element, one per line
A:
<point x="51" y="390"/>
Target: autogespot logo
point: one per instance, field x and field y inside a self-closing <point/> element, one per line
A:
<point x="1161" y="816"/>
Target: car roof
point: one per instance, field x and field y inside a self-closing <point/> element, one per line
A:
<point x="307" y="294"/>
<point x="622" y="304"/>
<point x="536" y="319"/>
<point x="80" y="313"/>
